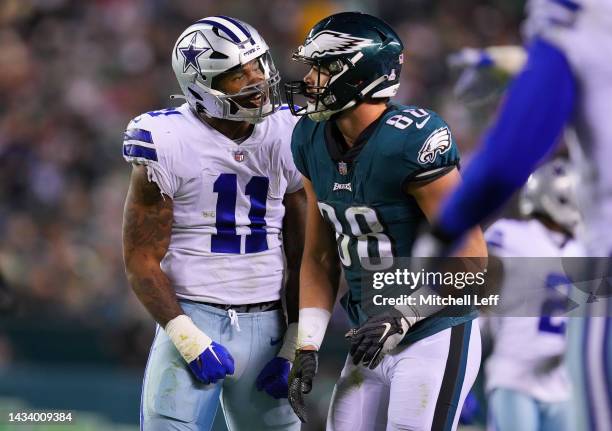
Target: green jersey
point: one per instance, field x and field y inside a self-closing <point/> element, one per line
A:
<point x="361" y="192"/>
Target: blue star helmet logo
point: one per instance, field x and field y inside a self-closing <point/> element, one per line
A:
<point x="191" y="54"/>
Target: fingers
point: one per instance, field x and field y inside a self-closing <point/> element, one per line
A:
<point x="296" y="398"/>
<point x="358" y="350"/>
<point x="228" y="363"/>
<point x="355" y="343"/>
<point x="373" y="357"/>
<point x="306" y="384"/>
<point x="277" y="388"/>
<point x="273" y="385"/>
<point x="262" y="380"/>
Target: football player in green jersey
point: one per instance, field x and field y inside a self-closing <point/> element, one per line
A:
<point x="373" y="172"/>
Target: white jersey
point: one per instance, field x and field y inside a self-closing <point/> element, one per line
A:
<point x="226" y="242"/>
<point x="582" y="30"/>
<point x="528" y="352"/>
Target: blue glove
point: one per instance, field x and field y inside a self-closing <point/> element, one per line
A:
<point x="209" y="361"/>
<point x="213" y="364"/>
<point x="274" y="378"/>
<point x="470" y="411"/>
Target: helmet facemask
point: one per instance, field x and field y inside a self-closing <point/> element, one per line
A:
<point x="319" y="100"/>
<point x="216" y="103"/>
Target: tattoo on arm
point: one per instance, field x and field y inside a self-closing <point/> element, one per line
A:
<point x="147" y="225"/>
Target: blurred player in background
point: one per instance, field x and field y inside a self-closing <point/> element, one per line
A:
<point x="527" y="383"/>
<point x="212" y="187"/>
<point x="373" y="170"/>
<point x="567" y="81"/>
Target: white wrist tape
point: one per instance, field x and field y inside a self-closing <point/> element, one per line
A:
<point x="290" y="339"/>
<point x="189" y="340"/>
<point x="312" y="325"/>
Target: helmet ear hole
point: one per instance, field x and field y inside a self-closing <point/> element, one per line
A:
<point x="335" y="66"/>
<point x="218" y="55"/>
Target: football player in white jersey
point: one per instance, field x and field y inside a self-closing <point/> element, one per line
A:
<point x="528" y="386"/>
<point x="213" y="185"/>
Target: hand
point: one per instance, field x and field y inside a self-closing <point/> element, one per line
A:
<point x="209" y="361"/>
<point x="377" y="336"/>
<point x="213" y="364"/>
<point x="300" y="380"/>
<point x="274" y="378"/>
<point x="275" y="375"/>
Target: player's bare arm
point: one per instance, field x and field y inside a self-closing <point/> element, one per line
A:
<point x="293" y="240"/>
<point x="430" y="197"/>
<point x="147" y="223"/>
<point x="147" y="226"/>
<point x="319" y="278"/>
<point x="320" y="272"/>
<point x="274" y="376"/>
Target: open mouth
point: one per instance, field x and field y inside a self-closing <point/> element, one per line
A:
<point x="311" y="98"/>
<point x="256" y="99"/>
<point x="253" y="101"/>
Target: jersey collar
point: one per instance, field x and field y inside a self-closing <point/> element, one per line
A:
<point x="337" y="146"/>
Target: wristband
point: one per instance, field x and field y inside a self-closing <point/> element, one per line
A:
<point x="312" y="325"/>
<point x="290" y="339"/>
<point x="189" y="340"/>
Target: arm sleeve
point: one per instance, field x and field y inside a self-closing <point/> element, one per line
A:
<point x="539" y="103"/>
<point x="142" y="146"/>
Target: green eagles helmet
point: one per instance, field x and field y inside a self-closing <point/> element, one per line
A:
<point x="363" y="56"/>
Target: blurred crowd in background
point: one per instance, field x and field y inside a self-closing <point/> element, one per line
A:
<point x="74" y="72"/>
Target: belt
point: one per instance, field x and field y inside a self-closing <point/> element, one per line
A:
<point x="248" y="308"/>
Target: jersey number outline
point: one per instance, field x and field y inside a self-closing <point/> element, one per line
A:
<point x="226" y="240"/>
<point x="373" y="245"/>
<point x="402" y="121"/>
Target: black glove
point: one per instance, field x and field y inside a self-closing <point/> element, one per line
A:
<point x="303" y="371"/>
<point x="377" y="336"/>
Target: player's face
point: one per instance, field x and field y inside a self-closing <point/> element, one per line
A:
<point x="232" y="82"/>
<point x="316" y="78"/>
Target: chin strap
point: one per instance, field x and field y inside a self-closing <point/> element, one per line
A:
<point x="327" y="114"/>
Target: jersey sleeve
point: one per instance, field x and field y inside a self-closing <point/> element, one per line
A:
<point x="143" y="144"/>
<point x="430" y="151"/>
<point x="299" y="139"/>
<point x="291" y="173"/>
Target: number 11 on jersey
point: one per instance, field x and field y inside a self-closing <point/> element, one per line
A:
<point x="226" y="240"/>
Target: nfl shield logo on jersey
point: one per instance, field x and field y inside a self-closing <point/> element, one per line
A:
<point x="342" y="168"/>
<point x="239" y="156"/>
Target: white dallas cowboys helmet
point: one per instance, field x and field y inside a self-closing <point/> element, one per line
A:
<point x="551" y="191"/>
<point x="212" y="46"/>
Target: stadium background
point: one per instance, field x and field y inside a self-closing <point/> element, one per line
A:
<point x="72" y="74"/>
